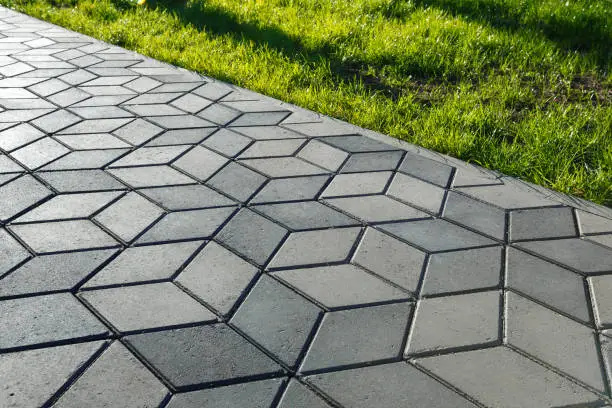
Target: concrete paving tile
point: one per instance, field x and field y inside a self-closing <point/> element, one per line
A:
<point x="66" y="206"/>
<point x="101" y="112"/>
<point x="306" y="215"/>
<point x="19" y="194"/>
<point x="268" y="132"/>
<point x="217" y="277"/>
<point x="191" y="103"/>
<point x="181" y="137"/>
<point x="357" y="183"/>
<point x="356" y="143"/>
<point x="602" y="302"/>
<point x="455" y="321"/>
<point x="298" y="395"/>
<point x="277" y="318"/>
<point x="476" y="215"/>
<point x="49" y="87"/>
<point x="576" y="253"/>
<point x="259" y="119"/>
<point x="283" y="167"/>
<point x="372" y="161"/>
<point x="129" y="216"/>
<point x="213" y="90"/>
<point x="533" y="276"/>
<point x="32" y="377"/>
<point x="376" y="208"/>
<point x="80" y="181"/>
<point x="151" y="176"/>
<point x="592" y="223"/>
<point x="200" y="162"/>
<point x="181" y="122"/>
<point x="116" y="378"/>
<point x="7" y="165"/>
<point x="290" y="189"/>
<point x="142" y="84"/>
<point x="95" y="126"/>
<point x="139" y="307"/>
<point x="237" y="181"/>
<point x="323" y="155"/>
<point x="416" y="192"/>
<point x="436" y="235"/>
<point x="17" y="136"/>
<point x="219" y="114"/>
<point x="202" y="355"/>
<point x="272" y="148"/>
<point x="151" y="110"/>
<point x="63" y="236"/>
<point x="187" y="197"/>
<point x="183" y="225"/>
<point x="227" y="142"/>
<point x="340" y="285"/>
<point x="44" y="319"/>
<point x="356" y="336"/>
<point x="11" y="252"/>
<point x="145" y="263"/>
<point x="138" y="131"/>
<point x="315" y="247"/>
<point x="392" y="259"/>
<point x="22" y="115"/>
<point x="252" y="235"/>
<point x="508" y="196"/>
<point x="92" y="141"/>
<point x="554" y="339"/>
<point x="85" y="160"/>
<point x="542" y="223"/>
<point x="457" y="271"/>
<point x="149" y="156"/>
<point x="390" y="385"/>
<point x="49" y="273"/>
<point x="39" y="153"/>
<point x="526" y="383"/>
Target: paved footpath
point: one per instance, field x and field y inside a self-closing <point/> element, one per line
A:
<point x="167" y="240"/>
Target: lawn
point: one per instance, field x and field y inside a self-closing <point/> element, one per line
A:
<point x="519" y="86"/>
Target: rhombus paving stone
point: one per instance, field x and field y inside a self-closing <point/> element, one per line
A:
<point x="84" y="160"/>
<point x="138" y="131"/>
<point x="146" y="263"/>
<point x="315" y="247"/>
<point x="66" y="206"/>
<point x="44" y="319"/>
<point x="477" y="215"/>
<point x="416" y="192"/>
<point x="357" y="183"/>
<point x="288" y="322"/>
<point x="272" y="148"/>
<point x="149" y="155"/>
<point x="306" y="215"/>
<point x="389" y="385"/>
<point x="362" y="335"/>
<point x="297" y="395"/>
<point x="542" y="223"/>
<point x="218" y="277"/>
<point x="11" y="252"/>
<point x="183" y="225"/>
<point x="49" y="273"/>
<point x="592" y="223"/>
<point x="268" y="132"/>
<point x="237" y="181"/>
<point x="191" y="103"/>
<point x="73" y="181"/>
<point x="455" y="321"/>
<point x="533" y="276"/>
<point x="356" y="143"/>
<point x="139" y="307"/>
<point x="203" y="355"/>
<point x="377" y="208"/>
<point x="323" y="155"/>
<point x="189" y="197"/>
<point x="374" y="161"/>
<point x="392" y="259"/>
<point x="200" y="162"/>
<point x="522" y="383"/>
<point x="259" y="119"/>
<point x="92" y="141"/>
<point x="252" y="235"/>
<point x="227" y="142"/>
<point x="219" y="114"/>
<point x="579" y="254"/>
<point x="554" y="339"/>
<point x="32" y="377"/>
<point x="151" y="176"/>
<point x="457" y="271"/>
<point x="17" y="136"/>
<point x="115" y="379"/>
<point x="340" y="285"/>
<point x="600" y="289"/>
<point x="284" y="167"/>
<point x="39" y="153"/>
<point x="290" y="189"/>
<point x="255" y="394"/>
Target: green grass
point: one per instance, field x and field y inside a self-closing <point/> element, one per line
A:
<point x="519" y="86"/>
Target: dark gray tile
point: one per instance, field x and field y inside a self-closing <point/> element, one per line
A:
<point x="96" y="126"/>
<point x="374" y="161"/>
<point x="600" y="289"/>
<point x="63" y="236"/>
<point x="85" y="160"/>
<point x="306" y="215"/>
<point x="19" y="194"/>
<point x="256" y="394"/>
<point x="277" y="318"/>
<point x="32" y="377"/>
<point x="430" y="170"/>
<point x="533" y="276"/>
<point x="64" y="319"/>
<point x="509" y="196"/>
<point x="80" y="181"/>
<point x="283" y="167"/>
<point x="272" y="148"/>
<point x="187" y="197"/>
<point x="151" y="176"/>
<point x="146" y="156"/>
<point x="436" y="235"/>
<point x="356" y="143"/>
<point x="356" y="336"/>
<point x="392" y="259"/>
<point x="183" y="225"/>
<point x="455" y="321"/>
<point x="542" y="223"/>
<point x="116" y="378"/>
<point x="181" y="136"/>
<point x="67" y="206"/>
<point x="252" y="235"/>
<point x="288" y="189"/>
<point x="576" y="253"/>
<point x="259" y="119"/>
<point x="417" y="193"/>
<point x="181" y="122"/>
<point x="315" y="247"/>
<point x="340" y="285"/>
<point x="592" y="223"/>
<point x="377" y="208"/>
<point x="138" y="131"/>
<point x="298" y="395"/>
<point x="140" y="307"/>
<point x="390" y="385"/>
<point x="227" y="142"/>
<point x="237" y="181"/>
<point x="357" y="183"/>
<point x="463" y="270"/>
<point x="217" y="276"/>
<point x="475" y="214"/>
<point x="50" y="273"/>
<point x="202" y="355"/>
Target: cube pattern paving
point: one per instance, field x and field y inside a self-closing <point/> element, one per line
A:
<point x="169" y="240"/>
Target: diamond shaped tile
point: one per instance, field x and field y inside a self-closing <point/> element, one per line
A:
<point x="357" y="183"/>
<point x="39" y="153"/>
<point x="237" y="181"/>
<point x="283" y="167"/>
<point x="323" y="155"/>
<point x="181" y="137"/>
<point x="429" y="170"/>
<point x="17" y="136"/>
<point x="576" y="253"/>
<point x="200" y="162"/>
<point x="73" y="181"/>
<point x="66" y="206"/>
<point x="151" y="176"/>
<point x="138" y="131"/>
<point x="377" y="208"/>
<point x="19" y="194"/>
<point x="297" y="395"/>
<point x="356" y="144"/>
<point x="416" y="192"/>
<point x="306" y="215"/>
<point x="290" y="189"/>
<point x="375" y="161"/>
<point x="85" y="160"/>
<point x="476" y="215"/>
